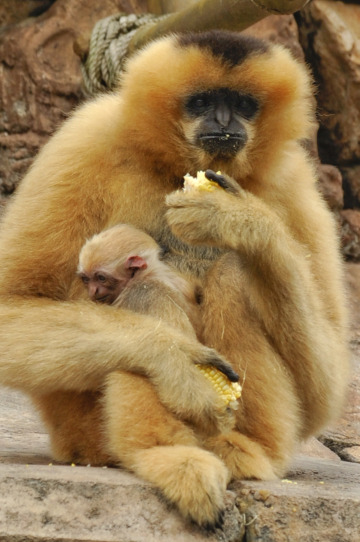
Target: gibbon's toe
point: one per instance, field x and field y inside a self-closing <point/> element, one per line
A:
<point x="219" y="523"/>
<point x="244" y="458"/>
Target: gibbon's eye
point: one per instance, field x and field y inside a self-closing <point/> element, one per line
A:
<point x="101" y="278"/>
<point x="85" y="279"/>
<point x="246" y="105"/>
<point x="198" y="104"/>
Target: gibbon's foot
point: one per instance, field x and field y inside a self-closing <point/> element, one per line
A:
<point x="243" y="457"/>
<point x="193" y="479"/>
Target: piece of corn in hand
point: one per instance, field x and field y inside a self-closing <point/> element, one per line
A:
<point x="200" y="182"/>
<point x="227" y="390"/>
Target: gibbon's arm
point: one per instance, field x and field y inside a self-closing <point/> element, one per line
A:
<point x="279" y="284"/>
<point x="48" y="345"/>
<point x="48" y="342"/>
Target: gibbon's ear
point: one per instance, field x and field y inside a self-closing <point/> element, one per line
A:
<point x="134" y="263"/>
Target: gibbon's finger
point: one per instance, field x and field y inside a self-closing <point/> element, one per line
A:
<point x="182" y="200"/>
<point x="179" y="199"/>
<point x="224" y="182"/>
<point x="219" y="363"/>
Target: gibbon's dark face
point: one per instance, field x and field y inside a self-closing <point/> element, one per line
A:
<point x="222" y="114"/>
<point x="218" y="100"/>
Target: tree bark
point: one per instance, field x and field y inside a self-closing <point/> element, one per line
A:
<point x="210" y="14"/>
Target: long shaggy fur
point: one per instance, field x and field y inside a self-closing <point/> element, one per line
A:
<point x="267" y="256"/>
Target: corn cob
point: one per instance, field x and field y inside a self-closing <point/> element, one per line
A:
<point x="228" y="391"/>
<point x="200" y="182"/>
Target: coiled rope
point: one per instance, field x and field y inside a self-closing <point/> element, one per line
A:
<point x="108" y="47"/>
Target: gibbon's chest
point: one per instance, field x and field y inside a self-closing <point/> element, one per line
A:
<point x="147" y="211"/>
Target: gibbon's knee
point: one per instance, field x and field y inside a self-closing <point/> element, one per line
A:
<point x="135" y="419"/>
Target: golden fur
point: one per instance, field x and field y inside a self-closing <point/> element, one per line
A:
<point x="273" y="298"/>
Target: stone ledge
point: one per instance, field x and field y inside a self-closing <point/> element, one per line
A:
<point x="319" y="502"/>
<point x="53" y="503"/>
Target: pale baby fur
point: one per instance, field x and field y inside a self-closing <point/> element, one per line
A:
<point x="273" y="301"/>
<point x="109" y="250"/>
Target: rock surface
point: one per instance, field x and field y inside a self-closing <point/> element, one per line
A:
<point x="40" y="78"/>
<point x="277" y="29"/>
<point x="330" y="184"/>
<point x="350" y="233"/>
<point x="12" y="12"/>
<point x="330" y="33"/>
<point x="319" y="501"/>
<point x="351" y="182"/>
<point x="79" y="503"/>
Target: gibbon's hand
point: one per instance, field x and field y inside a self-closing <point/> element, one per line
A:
<point x="184" y="390"/>
<point x="195" y="216"/>
<point x="210" y="357"/>
<point x="224" y="181"/>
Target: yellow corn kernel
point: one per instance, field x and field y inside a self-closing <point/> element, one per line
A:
<point x="227" y="390"/>
<point x="200" y="182"/>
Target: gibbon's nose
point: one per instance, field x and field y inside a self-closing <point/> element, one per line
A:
<point x="92" y="288"/>
<point x="223" y="114"/>
<point x="101" y="291"/>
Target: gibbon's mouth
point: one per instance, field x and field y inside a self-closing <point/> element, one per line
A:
<point x="103" y="299"/>
<point x="222" y="143"/>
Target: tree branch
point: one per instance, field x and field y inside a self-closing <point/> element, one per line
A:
<point x="211" y="14"/>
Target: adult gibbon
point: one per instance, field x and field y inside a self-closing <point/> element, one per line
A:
<point x="264" y="248"/>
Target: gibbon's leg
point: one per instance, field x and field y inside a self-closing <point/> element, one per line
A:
<point x="267" y="420"/>
<point x="75" y="425"/>
<point x="145" y="438"/>
<point x="68" y="353"/>
<point x="295" y="334"/>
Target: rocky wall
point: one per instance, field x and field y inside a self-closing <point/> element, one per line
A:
<point x="40" y="76"/>
<point x="329" y="33"/>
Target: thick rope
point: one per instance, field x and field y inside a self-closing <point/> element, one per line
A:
<point x="108" y="48"/>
